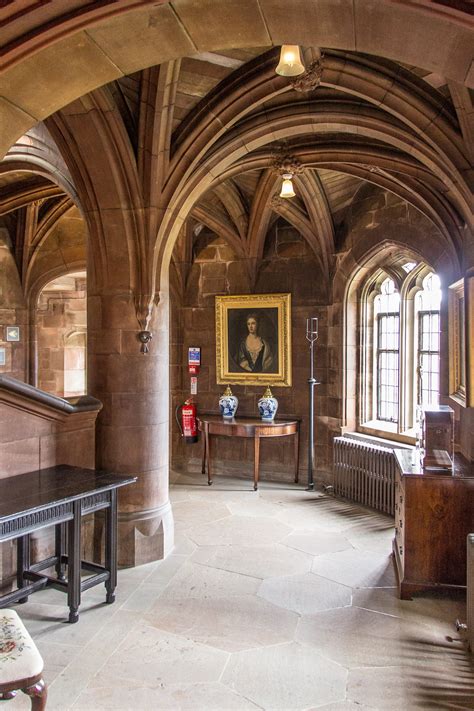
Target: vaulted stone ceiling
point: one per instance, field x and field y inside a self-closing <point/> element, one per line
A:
<point x="371" y="120"/>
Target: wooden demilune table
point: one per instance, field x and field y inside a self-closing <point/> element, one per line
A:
<point x="60" y="496"/>
<point x="215" y="425"/>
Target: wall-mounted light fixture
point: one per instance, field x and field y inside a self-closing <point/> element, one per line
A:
<point x="287" y="190"/>
<point x="290" y="64"/>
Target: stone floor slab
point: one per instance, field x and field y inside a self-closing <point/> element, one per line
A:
<point x="203" y="582"/>
<point x="257" y="561"/>
<point x="317" y="542"/>
<point x="305" y="594"/>
<point x="232" y="624"/>
<point x="395" y="688"/>
<point x="357" y="569"/>
<point x="283" y="677"/>
<point x="239" y="530"/>
<point x="150" y="656"/>
<point x="355" y="637"/>
<point x="190" y="513"/>
<point x="438" y="611"/>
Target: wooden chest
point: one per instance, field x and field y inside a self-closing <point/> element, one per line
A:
<point x="433" y="515"/>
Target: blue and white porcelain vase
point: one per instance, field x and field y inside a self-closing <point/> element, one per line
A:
<point x="267" y="406"/>
<point x="228" y="404"/>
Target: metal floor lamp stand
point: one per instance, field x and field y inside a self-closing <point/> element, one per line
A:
<point x="312" y="337"/>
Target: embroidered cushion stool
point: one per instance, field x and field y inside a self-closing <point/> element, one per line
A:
<point x="21" y="665"/>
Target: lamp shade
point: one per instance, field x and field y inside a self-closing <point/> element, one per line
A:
<point x="290" y="64"/>
<point x="287" y="186"/>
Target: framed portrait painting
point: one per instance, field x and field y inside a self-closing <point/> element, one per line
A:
<point x="253" y="339"/>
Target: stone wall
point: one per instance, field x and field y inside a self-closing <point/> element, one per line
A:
<point x="13" y="312"/>
<point x="288" y="265"/>
<point x="378" y="228"/>
<point x="61" y="323"/>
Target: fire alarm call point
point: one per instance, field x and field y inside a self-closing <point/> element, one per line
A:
<point x="194" y="360"/>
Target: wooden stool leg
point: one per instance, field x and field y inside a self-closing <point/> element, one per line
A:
<point x="38" y="694"/>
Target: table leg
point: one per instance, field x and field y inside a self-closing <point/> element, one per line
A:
<point x="297" y="454"/>
<point x="204" y="451"/>
<point x="256" y="462"/>
<point x="111" y="546"/>
<point x="59" y="547"/>
<point x="208" y="454"/>
<point x="22" y="562"/>
<point x="74" y="563"/>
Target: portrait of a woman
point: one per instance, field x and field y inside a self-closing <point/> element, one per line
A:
<point x="254" y="354"/>
<point x="253" y="339"/>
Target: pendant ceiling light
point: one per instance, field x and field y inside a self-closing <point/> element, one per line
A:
<point x="287" y="190"/>
<point x="290" y="64"/>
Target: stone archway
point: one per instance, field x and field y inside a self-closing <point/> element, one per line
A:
<point x="51" y="58"/>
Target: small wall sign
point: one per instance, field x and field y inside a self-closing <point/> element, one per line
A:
<point x="194" y="360"/>
<point x="13" y="333"/>
<point x="194" y="385"/>
<point x="2" y="356"/>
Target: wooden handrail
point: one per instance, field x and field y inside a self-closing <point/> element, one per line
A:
<point x="13" y="392"/>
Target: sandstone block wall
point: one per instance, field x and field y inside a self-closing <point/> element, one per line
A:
<point x="288" y="265"/>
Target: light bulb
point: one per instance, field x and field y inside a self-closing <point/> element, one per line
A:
<point x="290" y="64"/>
<point x="287" y="186"/>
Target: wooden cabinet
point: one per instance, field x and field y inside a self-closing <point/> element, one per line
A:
<point x="438" y="431"/>
<point x="433" y="515"/>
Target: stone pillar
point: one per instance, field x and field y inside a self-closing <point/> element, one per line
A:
<point x="132" y="434"/>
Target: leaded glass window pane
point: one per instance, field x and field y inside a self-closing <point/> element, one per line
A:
<point x="387" y="367"/>
<point x="428" y="305"/>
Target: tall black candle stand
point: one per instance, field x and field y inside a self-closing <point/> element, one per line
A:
<point x="312" y="337"/>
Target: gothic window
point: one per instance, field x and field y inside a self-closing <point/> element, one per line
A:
<point x="400" y="347"/>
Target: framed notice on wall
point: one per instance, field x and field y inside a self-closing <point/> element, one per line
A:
<point x="13" y="333"/>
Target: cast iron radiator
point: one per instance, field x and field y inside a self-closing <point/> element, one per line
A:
<point x="364" y="472"/>
<point x="470" y="591"/>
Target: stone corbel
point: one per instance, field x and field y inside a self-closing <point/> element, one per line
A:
<point x="310" y="80"/>
<point x="286" y="163"/>
<point x="144" y="306"/>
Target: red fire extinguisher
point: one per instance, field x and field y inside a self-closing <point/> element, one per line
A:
<point x="188" y="424"/>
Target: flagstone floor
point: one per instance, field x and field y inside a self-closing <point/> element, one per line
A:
<point x="279" y="599"/>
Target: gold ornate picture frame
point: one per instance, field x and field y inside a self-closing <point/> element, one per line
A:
<point x="469" y="295"/>
<point x="457" y="342"/>
<point x="253" y="339"/>
<point x="461" y="340"/>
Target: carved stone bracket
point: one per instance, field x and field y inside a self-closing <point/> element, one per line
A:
<point x="310" y="80"/>
<point x="277" y="202"/>
<point x="144" y="306"/>
<point x="286" y="163"/>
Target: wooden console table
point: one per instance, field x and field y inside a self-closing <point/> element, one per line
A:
<point x="60" y="496"/>
<point x="215" y="425"/>
<point x="434" y="512"/>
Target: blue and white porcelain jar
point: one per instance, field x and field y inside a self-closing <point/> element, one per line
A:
<point x="267" y="406"/>
<point x="228" y="404"/>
